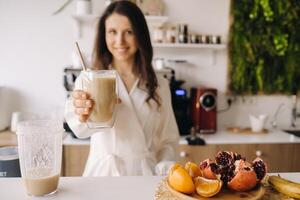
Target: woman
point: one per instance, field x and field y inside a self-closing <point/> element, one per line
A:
<point x="144" y="138"/>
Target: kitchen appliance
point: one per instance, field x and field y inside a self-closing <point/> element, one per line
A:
<point x="180" y="103"/>
<point x="4" y="108"/>
<point x="69" y="77"/>
<point x="40" y="151"/>
<point x="9" y="162"/>
<point x="204" y="109"/>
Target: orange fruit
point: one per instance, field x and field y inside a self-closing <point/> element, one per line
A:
<point x="207" y="187"/>
<point x="180" y="180"/>
<point x="193" y="169"/>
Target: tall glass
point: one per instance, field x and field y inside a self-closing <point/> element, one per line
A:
<point x="40" y="152"/>
<point x="102" y="85"/>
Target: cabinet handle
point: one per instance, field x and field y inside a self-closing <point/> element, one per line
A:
<point x="258" y="153"/>
<point x="183" y="154"/>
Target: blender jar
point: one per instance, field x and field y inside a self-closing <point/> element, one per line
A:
<point x="40" y="154"/>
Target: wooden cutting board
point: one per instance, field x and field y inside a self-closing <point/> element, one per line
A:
<point x="245" y="131"/>
<point x="224" y="194"/>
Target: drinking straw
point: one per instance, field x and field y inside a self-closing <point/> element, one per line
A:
<point x="81" y="58"/>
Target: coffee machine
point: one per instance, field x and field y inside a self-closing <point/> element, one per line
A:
<point x="180" y="103"/>
<point x="204" y="109"/>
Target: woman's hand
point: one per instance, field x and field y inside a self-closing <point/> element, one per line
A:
<point x="83" y="104"/>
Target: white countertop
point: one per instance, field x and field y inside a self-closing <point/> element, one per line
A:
<point x="95" y="188"/>
<point x="90" y="188"/>
<point x="222" y="137"/>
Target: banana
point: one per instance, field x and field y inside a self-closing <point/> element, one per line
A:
<point x="285" y="186"/>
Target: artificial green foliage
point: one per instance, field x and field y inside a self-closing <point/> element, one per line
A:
<point x="265" y="47"/>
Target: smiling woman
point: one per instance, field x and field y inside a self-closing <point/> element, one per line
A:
<point x="144" y="137"/>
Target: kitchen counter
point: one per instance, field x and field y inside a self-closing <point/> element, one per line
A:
<point x="223" y="137"/>
<point x="75" y="188"/>
<point x="8" y="138"/>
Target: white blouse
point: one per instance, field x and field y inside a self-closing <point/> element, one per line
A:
<point x="143" y="140"/>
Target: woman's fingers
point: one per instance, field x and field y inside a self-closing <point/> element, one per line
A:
<point x="78" y="103"/>
<point x="83" y="111"/>
<point x="80" y="94"/>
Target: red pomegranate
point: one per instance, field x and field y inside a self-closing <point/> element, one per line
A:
<point x="234" y="170"/>
<point x="244" y="177"/>
<point x="260" y="168"/>
<point x="209" y="169"/>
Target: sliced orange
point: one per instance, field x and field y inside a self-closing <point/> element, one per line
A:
<point x="180" y="180"/>
<point x="193" y="169"/>
<point x="207" y="187"/>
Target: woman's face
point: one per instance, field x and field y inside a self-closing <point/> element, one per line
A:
<point x="120" y="39"/>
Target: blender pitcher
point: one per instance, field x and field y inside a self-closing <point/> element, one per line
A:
<point x="40" y="152"/>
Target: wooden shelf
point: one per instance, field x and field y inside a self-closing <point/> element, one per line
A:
<point x="149" y="18"/>
<point x="84" y="19"/>
<point x="187" y="45"/>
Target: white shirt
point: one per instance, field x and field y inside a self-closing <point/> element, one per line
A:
<point x="143" y="140"/>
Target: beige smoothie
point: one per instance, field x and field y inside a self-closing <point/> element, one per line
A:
<point x="39" y="185"/>
<point x="103" y="91"/>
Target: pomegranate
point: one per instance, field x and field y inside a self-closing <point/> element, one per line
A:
<point x="244" y="177"/>
<point x="260" y="168"/>
<point x="209" y="169"/>
<point x="234" y="170"/>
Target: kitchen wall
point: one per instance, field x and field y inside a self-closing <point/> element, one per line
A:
<point x="35" y="47"/>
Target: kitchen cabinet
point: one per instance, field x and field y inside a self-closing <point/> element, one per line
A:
<point x="74" y="159"/>
<point x="279" y="157"/>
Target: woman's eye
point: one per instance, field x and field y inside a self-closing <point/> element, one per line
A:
<point x="129" y="32"/>
<point x="112" y="32"/>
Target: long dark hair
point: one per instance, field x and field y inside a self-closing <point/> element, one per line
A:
<point x="142" y="68"/>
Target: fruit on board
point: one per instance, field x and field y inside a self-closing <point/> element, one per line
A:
<point x="193" y="169"/>
<point x="207" y="187"/>
<point x="289" y="188"/>
<point x="180" y="180"/>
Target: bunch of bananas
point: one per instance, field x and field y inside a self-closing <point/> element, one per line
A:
<point x="284" y="186"/>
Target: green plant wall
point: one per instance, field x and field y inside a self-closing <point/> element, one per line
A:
<point x="264" y="47"/>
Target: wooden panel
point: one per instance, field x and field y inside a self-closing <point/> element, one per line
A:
<point x="279" y="157"/>
<point x="196" y="153"/>
<point x="74" y="159"/>
<point x="296" y="158"/>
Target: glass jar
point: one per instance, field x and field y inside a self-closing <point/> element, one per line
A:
<point x="171" y="34"/>
<point x="158" y="34"/>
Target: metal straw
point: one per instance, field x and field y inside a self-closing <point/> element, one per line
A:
<point x="81" y="58"/>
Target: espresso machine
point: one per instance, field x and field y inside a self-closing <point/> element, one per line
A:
<point x="180" y="104"/>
